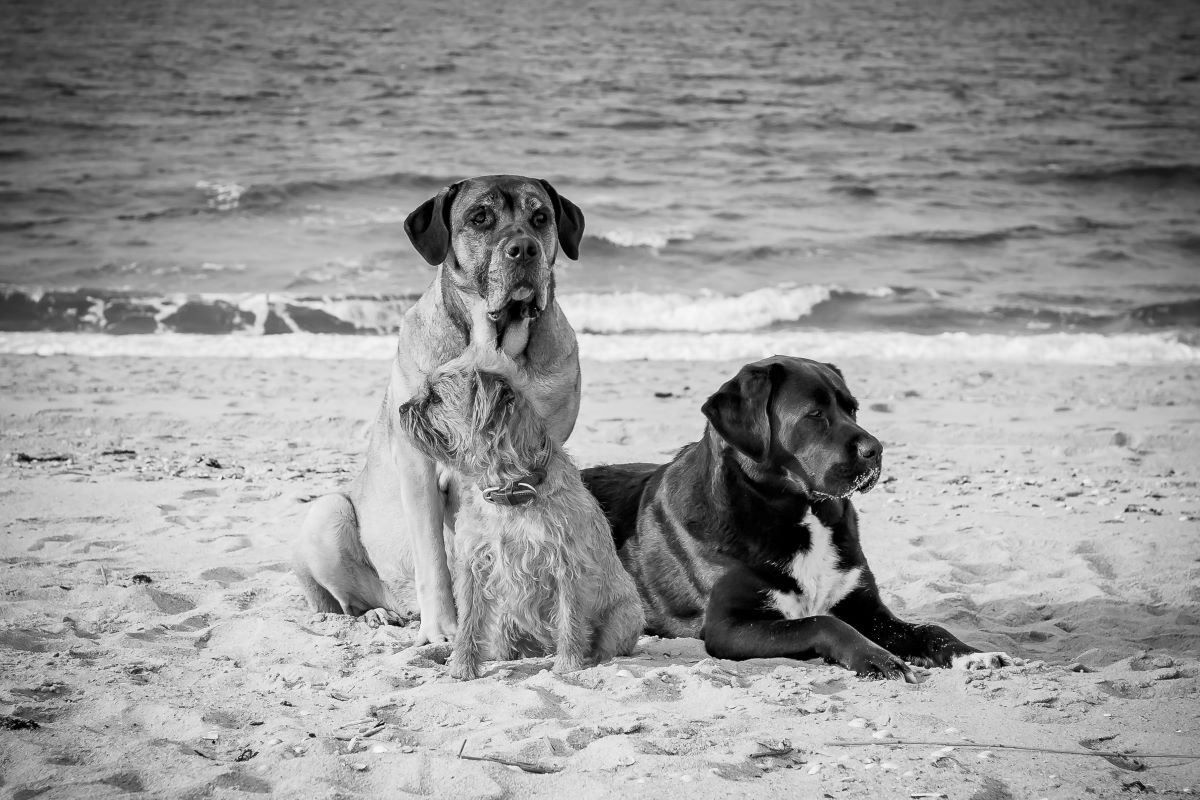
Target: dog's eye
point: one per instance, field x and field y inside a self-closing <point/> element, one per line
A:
<point x="479" y="218"/>
<point x="434" y="398"/>
<point x="816" y="413"/>
<point x="539" y="219"/>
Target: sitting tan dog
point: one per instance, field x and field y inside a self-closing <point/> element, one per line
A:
<point x="536" y="568"/>
<point x="378" y="549"/>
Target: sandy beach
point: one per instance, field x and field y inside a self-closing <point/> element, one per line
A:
<point x="153" y="640"/>
<point x="984" y="213"/>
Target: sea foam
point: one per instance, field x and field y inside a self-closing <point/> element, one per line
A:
<point x="1069" y="348"/>
<point x="650" y="239"/>
<point x="637" y="311"/>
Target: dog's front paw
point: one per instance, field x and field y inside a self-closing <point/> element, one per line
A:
<point x="986" y="661"/>
<point x="873" y="662"/>
<point x="463" y="668"/>
<point x="934" y="646"/>
<point x="567" y="664"/>
<point x="378" y="617"/>
<point x="435" y="631"/>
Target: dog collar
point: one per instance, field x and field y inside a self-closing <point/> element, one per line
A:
<point x="516" y="493"/>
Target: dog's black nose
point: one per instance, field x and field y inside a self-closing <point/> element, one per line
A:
<point x="868" y="448"/>
<point x="521" y="247"/>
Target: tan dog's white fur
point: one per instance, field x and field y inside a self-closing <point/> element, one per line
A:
<point x="534" y="578"/>
<point x="379" y="547"/>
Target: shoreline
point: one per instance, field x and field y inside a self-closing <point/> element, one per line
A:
<point x="1075" y="348"/>
<point x="1048" y="509"/>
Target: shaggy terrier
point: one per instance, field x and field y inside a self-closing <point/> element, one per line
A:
<point x="536" y="570"/>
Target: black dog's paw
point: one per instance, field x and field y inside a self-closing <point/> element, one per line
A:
<point x="875" y="663"/>
<point x="942" y="657"/>
<point x="993" y="660"/>
<point x="938" y="648"/>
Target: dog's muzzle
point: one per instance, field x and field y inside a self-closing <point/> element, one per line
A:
<point x="866" y="481"/>
<point x="515" y="493"/>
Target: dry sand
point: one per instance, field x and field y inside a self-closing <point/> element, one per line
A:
<point x="151" y="629"/>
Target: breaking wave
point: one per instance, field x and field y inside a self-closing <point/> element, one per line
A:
<point x="779" y="308"/>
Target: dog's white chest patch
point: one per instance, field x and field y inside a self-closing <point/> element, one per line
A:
<point x="822" y="584"/>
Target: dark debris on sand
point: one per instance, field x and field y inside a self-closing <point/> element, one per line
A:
<point x="9" y="723"/>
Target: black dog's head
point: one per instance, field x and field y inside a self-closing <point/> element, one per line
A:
<point x="793" y="421"/>
<point x="498" y="236"/>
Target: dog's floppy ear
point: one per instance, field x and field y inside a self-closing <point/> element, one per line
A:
<point x="569" y="220"/>
<point x="428" y="227"/>
<point x="835" y="369"/>
<point x="494" y="401"/>
<point x="740" y="410"/>
<point x="515" y="437"/>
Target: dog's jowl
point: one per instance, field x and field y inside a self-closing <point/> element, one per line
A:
<point x="749" y="539"/>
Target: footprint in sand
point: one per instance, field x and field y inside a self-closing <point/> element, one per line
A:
<point x="184" y="521"/>
<point x="127" y="781"/>
<point x="28" y="641"/>
<point x="1099" y="564"/>
<point x="223" y="575"/>
<point x="230" y="544"/>
<point x="40" y="544"/>
<point x="224" y="719"/>
<point x="239" y="782"/>
<point x="104" y="544"/>
<point x="168" y="603"/>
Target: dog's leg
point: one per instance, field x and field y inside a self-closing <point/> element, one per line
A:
<point x="621" y="620"/>
<point x="471" y="576"/>
<point x="424" y="517"/>
<point x="922" y="645"/>
<point x="334" y="571"/>
<point x="618" y="630"/>
<point x="738" y="625"/>
<point x="571" y="636"/>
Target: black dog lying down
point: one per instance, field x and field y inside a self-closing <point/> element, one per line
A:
<point x="748" y="538"/>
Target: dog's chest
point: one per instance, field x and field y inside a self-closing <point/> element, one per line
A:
<point x="822" y="583"/>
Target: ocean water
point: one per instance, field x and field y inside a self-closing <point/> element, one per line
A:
<point x="956" y="178"/>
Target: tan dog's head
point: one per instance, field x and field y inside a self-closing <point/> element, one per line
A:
<point x="793" y="421"/>
<point x="498" y="237"/>
<point x="470" y="416"/>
